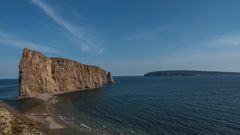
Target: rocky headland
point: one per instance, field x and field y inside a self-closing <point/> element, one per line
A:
<point x="40" y="75"/>
<point x="187" y="73"/>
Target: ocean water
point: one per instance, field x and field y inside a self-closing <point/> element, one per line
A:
<point x="9" y="91"/>
<point x="152" y="105"/>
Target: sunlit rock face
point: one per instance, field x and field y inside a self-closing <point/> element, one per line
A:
<point x="39" y="74"/>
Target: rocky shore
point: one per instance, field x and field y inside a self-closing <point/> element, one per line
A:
<point x="37" y="117"/>
<point x="14" y="123"/>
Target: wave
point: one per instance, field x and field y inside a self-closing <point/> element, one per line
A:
<point x="11" y="85"/>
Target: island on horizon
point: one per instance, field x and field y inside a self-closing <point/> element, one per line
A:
<point x="187" y="73"/>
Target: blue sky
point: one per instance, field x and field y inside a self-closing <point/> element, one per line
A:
<point x="126" y="37"/>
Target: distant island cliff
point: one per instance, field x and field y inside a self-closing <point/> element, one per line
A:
<point x="187" y="73"/>
<point x="39" y="74"/>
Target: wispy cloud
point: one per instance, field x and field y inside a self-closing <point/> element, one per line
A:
<point x="146" y="34"/>
<point x="14" y="41"/>
<point x="77" y="32"/>
<point x="227" y="40"/>
<point x="100" y="51"/>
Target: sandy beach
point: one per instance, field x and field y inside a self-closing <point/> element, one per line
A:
<point x="43" y="112"/>
<point x="41" y="109"/>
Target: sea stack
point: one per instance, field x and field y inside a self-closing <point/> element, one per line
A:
<point x="110" y="78"/>
<point x="39" y="74"/>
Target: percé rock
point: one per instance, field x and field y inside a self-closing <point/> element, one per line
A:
<point x="12" y="123"/>
<point x="39" y="74"/>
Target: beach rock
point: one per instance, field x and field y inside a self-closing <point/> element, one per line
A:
<point x="39" y="74"/>
<point x="12" y="123"/>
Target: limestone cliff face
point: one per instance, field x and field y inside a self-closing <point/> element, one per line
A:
<point x="12" y="123"/>
<point x="39" y="74"/>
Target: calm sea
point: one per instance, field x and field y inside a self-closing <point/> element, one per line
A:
<point x="152" y="105"/>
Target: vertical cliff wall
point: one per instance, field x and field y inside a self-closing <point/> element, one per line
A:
<point x="39" y="74"/>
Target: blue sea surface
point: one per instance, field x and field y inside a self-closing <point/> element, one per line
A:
<point x="197" y="105"/>
<point x="9" y="91"/>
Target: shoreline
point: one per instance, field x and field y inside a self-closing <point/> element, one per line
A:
<point x="47" y="96"/>
<point x="45" y="113"/>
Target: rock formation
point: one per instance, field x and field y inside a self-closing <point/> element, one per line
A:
<point x="110" y="78"/>
<point x="39" y="74"/>
<point x="12" y="123"/>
